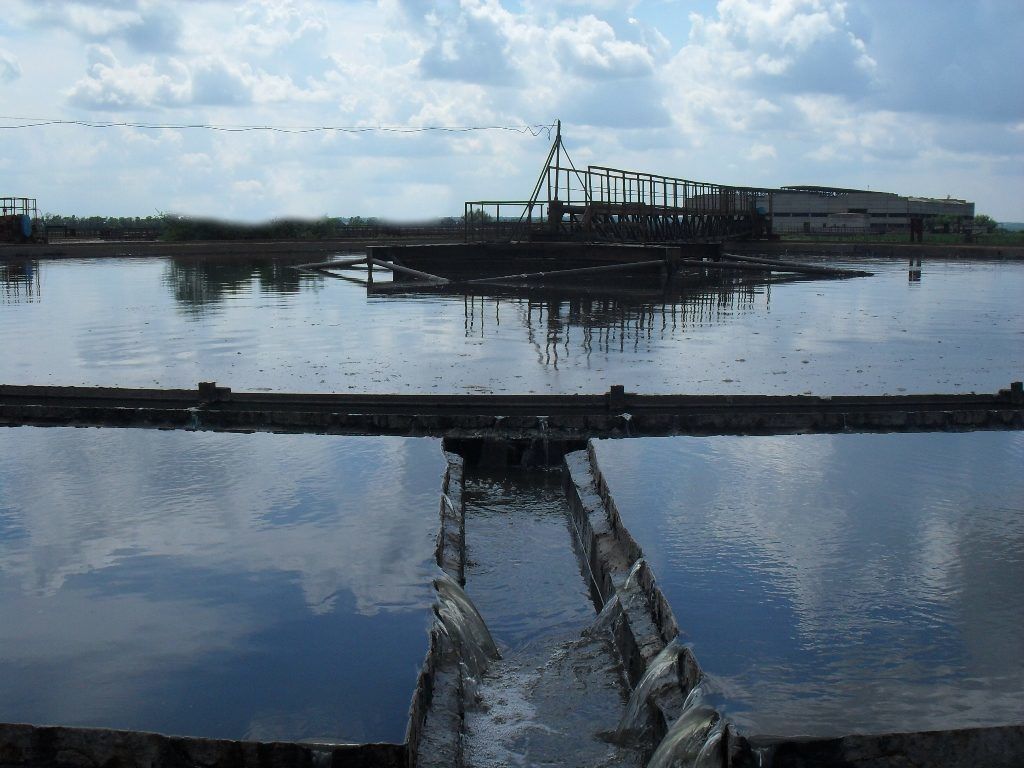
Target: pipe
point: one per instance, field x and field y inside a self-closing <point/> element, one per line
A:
<point x="575" y="271"/>
<point x="406" y="270"/>
<point x="794" y="267"/>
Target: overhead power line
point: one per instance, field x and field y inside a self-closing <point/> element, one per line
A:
<point x="535" y="129"/>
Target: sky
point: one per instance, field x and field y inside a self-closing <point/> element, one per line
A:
<point x="919" y="97"/>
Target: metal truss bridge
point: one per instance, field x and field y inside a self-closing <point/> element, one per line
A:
<point x="602" y="204"/>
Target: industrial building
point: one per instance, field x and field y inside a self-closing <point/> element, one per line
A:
<point x="832" y="210"/>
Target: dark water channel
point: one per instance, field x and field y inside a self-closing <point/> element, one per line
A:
<point x="840" y="583"/>
<point x="261" y="325"/>
<point x="272" y="587"/>
<point x="558" y="691"/>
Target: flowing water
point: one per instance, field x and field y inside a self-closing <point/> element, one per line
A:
<point x="688" y="736"/>
<point x="242" y="586"/>
<point x="261" y="325"/>
<point x="662" y="670"/>
<point x="464" y="625"/>
<point x="839" y="583"/>
<point x="555" y="696"/>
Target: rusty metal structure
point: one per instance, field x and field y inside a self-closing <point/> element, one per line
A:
<point x="603" y="204"/>
<point x="19" y="219"/>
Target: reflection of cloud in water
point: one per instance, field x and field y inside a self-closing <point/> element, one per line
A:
<point x="865" y="580"/>
<point x="80" y="648"/>
<point x="272" y="586"/>
<point x="853" y="521"/>
<point x="333" y="511"/>
<point x="117" y="322"/>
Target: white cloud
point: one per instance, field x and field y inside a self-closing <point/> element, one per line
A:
<point x="272" y="24"/>
<point x="10" y="69"/>
<point x="110" y="85"/>
<point x="845" y="93"/>
<point x="589" y="47"/>
<point x="248" y="187"/>
<point x="472" y="45"/>
<point x="146" y="25"/>
<point x="217" y="83"/>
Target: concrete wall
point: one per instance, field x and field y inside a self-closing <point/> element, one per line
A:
<point x="437" y="713"/>
<point x="643" y="624"/>
<point x="28" y="746"/>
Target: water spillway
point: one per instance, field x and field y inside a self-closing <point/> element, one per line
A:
<point x="557" y="693"/>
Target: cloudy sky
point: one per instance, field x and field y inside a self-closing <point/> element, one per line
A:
<point x="921" y="97"/>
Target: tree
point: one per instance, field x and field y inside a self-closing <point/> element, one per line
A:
<point x="985" y="223"/>
<point x="477" y="216"/>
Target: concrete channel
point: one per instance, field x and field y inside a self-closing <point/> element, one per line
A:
<point x="523" y="546"/>
<point x="633" y="627"/>
<point x="522" y="705"/>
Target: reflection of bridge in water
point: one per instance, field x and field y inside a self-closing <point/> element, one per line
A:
<point x="20" y="282"/>
<point x="602" y="204"/>
<point x="556" y="323"/>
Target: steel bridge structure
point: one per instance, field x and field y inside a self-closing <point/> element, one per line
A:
<point x="603" y="204"/>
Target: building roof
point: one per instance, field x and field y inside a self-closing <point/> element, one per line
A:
<point x="832" y="190"/>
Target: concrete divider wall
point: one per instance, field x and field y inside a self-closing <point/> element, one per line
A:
<point x="644" y="624"/>
<point x="647" y="625"/>
<point x="436" y="717"/>
<point x="30" y="746"/>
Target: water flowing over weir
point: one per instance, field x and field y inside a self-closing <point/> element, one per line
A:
<point x="464" y="625"/>
<point x="661" y="671"/>
<point x="557" y="692"/>
<point x="693" y="737"/>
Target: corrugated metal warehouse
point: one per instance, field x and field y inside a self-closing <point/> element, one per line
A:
<point x="832" y="209"/>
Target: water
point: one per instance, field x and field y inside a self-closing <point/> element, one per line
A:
<point x="840" y="583"/>
<point x="557" y="692"/>
<point x="464" y="624"/>
<point x="238" y="586"/>
<point x="521" y="570"/>
<point x="260" y="325"/>
<point x="693" y="737"/>
<point x="660" y="672"/>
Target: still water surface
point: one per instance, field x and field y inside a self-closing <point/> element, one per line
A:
<point x="241" y="586"/>
<point x="840" y="583"/>
<point x="262" y="325"/>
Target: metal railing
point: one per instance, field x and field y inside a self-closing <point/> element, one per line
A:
<point x="502" y="219"/>
<point x="616" y="187"/>
<point x="25" y="206"/>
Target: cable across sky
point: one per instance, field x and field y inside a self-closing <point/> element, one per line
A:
<point x="535" y="129"/>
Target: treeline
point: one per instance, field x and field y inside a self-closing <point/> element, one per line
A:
<point x="172" y="227"/>
<point x="103" y="222"/>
